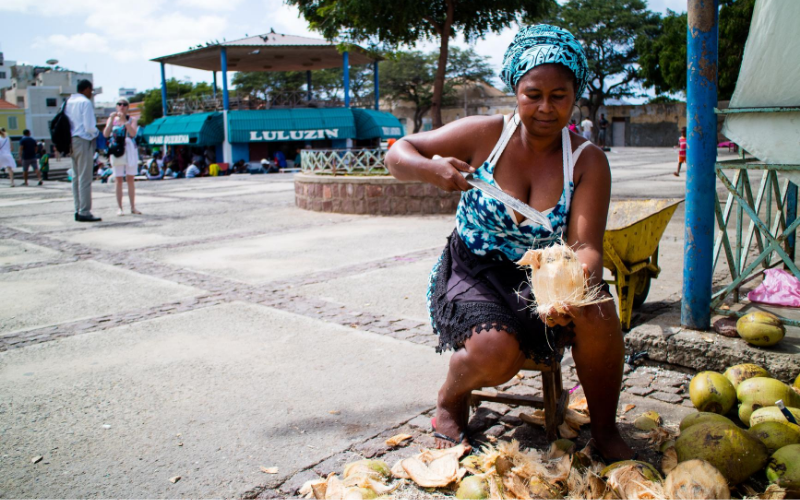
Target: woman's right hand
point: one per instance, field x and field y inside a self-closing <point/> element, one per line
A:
<point x="446" y="173"/>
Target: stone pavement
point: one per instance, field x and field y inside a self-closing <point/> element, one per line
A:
<point x="226" y="330"/>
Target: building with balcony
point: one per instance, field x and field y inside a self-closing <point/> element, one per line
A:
<point x="12" y="118"/>
<point x="5" y="72"/>
<point x="41" y="91"/>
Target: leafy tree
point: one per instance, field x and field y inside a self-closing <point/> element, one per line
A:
<point x="607" y="29"/>
<point x="662" y="60"/>
<point x="261" y="82"/>
<point x="175" y="89"/>
<point x="409" y="22"/>
<point x="408" y="76"/>
<point x="465" y="67"/>
<point x="663" y="51"/>
<point x="329" y="82"/>
<point x="663" y="99"/>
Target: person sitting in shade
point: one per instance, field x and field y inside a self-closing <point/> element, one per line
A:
<point x="155" y="167"/>
<point x="192" y="171"/>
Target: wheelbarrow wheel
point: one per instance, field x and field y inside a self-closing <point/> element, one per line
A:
<point x="642" y="288"/>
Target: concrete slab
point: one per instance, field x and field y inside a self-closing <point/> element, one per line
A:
<point x="238" y="191"/>
<point x="56" y="294"/>
<point x="396" y="291"/>
<point x="14" y="252"/>
<point x="156" y="229"/>
<point x="256" y="260"/>
<point x="62" y="222"/>
<point x="118" y="413"/>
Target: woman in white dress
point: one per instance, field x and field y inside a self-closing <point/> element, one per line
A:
<point x="125" y="166"/>
<point x="6" y="158"/>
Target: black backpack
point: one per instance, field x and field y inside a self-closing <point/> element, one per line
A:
<point x="60" y="132"/>
<point x="116" y="143"/>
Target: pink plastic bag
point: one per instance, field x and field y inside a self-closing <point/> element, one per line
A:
<point x="779" y="288"/>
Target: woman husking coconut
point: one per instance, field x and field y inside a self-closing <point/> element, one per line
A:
<point x="479" y="298"/>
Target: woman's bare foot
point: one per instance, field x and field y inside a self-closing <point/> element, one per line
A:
<point x="451" y="420"/>
<point x="609" y="443"/>
<point x="135" y="212"/>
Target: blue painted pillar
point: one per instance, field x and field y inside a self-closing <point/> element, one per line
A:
<point x="308" y="85"/>
<point x="214" y="84"/>
<point x="791" y="215"/>
<point x="701" y="72"/>
<point x="375" y="83"/>
<point x="346" y="73"/>
<point x="223" y="55"/>
<point x="163" y="91"/>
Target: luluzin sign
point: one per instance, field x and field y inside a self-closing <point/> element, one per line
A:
<point x="168" y="139"/>
<point x="293" y="135"/>
<point x="389" y="131"/>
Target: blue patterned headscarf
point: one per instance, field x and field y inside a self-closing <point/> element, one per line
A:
<point x="544" y="44"/>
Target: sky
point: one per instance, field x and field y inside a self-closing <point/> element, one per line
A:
<point x="116" y="40"/>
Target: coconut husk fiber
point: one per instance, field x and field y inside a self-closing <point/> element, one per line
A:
<point x="558" y="280"/>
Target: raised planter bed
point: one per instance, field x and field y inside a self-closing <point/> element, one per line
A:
<point x="375" y="195"/>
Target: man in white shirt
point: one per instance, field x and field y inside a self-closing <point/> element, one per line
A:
<point x="83" y="126"/>
<point x="587" y="127"/>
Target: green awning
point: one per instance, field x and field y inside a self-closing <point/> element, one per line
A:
<point x="296" y="124"/>
<point x="199" y="129"/>
<point x="371" y="124"/>
<point x="308" y="124"/>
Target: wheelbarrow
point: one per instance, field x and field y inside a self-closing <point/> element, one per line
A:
<point x="630" y="248"/>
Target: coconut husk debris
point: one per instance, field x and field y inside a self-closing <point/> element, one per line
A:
<point x="575" y="415"/>
<point x="507" y="471"/>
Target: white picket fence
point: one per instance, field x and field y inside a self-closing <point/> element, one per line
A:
<point x="343" y="161"/>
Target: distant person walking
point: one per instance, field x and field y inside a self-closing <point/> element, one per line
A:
<point x="587" y="127"/>
<point x="573" y="127"/>
<point x="7" y="162"/>
<point x="27" y="156"/>
<point x="280" y="159"/>
<point x="603" y="130"/>
<point x="681" y="151"/>
<point x="83" y="127"/>
<point x="44" y="165"/>
<point x="122" y="152"/>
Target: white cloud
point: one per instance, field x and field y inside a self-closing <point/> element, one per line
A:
<point x="82" y="42"/>
<point x="215" y="5"/>
<point x="286" y="19"/>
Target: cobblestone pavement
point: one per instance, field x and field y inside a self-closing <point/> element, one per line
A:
<point x="239" y="213"/>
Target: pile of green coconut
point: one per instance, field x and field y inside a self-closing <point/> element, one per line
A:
<point x="741" y="430"/>
<point x="739" y="444"/>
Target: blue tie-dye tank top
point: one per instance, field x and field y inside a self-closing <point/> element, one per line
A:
<point x="485" y="224"/>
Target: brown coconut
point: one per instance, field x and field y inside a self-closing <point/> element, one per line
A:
<point x="696" y="479"/>
<point x="733" y="451"/>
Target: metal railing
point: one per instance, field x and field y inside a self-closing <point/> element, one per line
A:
<point x="343" y="161"/>
<point x="268" y="100"/>
<point x="769" y="238"/>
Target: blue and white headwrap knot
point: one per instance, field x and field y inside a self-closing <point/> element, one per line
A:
<point x="544" y="44"/>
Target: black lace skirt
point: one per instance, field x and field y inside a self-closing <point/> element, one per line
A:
<point x="471" y="293"/>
